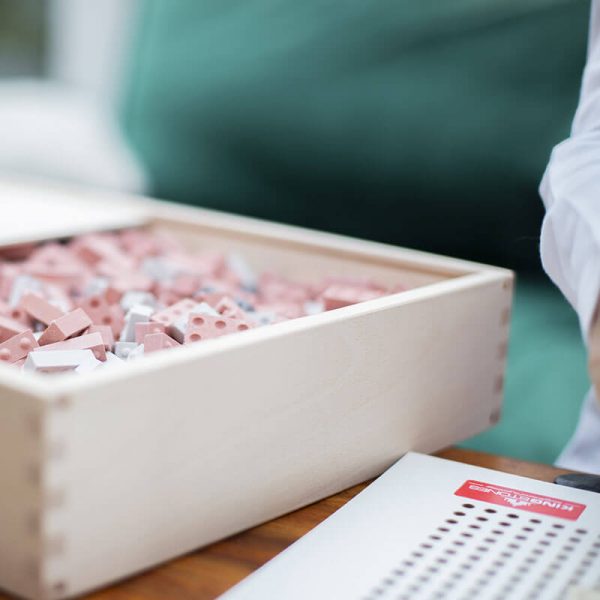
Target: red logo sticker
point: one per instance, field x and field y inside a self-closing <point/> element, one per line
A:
<point x="496" y="494"/>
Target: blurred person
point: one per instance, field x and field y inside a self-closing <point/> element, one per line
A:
<point x="570" y="241"/>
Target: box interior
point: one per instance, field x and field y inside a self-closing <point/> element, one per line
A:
<point x="300" y="261"/>
<point x="300" y="255"/>
<point x="306" y="262"/>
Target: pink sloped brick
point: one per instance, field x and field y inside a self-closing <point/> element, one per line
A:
<point x="17" y="347"/>
<point x="158" y="341"/>
<point x="102" y="312"/>
<point x="40" y="309"/>
<point x="65" y="327"/>
<point x="106" y="332"/>
<point x="206" y="327"/>
<point x="9" y="328"/>
<point x="88" y="341"/>
<point x="144" y="329"/>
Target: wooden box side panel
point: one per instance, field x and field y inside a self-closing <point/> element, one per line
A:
<point x="21" y="426"/>
<point x="163" y="463"/>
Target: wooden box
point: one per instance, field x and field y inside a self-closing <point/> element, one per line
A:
<point x="107" y="474"/>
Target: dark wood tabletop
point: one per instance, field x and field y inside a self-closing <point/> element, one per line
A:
<point x="211" y="571"/>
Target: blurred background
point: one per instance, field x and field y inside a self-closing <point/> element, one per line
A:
<point x="423" y="124"/>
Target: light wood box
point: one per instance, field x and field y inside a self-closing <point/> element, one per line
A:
<point x="107" y="474"/>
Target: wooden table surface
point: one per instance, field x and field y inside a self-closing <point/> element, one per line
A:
<point x="214" y="569"/>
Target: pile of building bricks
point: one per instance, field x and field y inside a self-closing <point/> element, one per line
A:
<point x="104" y="298"/>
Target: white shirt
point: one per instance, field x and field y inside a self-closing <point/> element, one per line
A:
<point x="570" y="239"/>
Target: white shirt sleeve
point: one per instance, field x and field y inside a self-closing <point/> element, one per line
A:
<point x="570" y="189"/>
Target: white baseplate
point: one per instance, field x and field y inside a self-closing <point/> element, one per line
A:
<point x="410" y="536"/>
